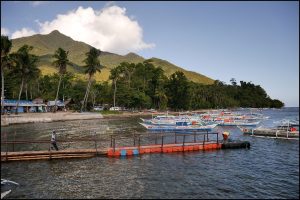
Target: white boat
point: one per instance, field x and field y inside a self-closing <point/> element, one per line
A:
<point x="180" y="126"/>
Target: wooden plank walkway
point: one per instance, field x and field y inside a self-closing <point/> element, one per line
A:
<point x="39" y="155"/>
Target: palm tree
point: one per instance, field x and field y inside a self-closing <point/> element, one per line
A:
<point x="5" y="48"/>
<point x="115" y="74"/>
<point x="93" y="66"/>
<point x="26" y="67"/>
<point x="128" y="70"/>
<point x="61" y="62"/>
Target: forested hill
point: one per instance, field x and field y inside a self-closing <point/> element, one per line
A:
<point x="45" y="46"/>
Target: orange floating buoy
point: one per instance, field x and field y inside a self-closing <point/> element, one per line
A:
<point x="129" y="152"/>
<point x="117" y="153"/>
<point x="147" y="150"/>
<point x="196" y="147"/>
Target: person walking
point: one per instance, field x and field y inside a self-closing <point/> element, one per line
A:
<point x="53" y="140"/>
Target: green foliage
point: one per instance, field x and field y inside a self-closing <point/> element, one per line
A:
<point x="92" y="62"/>
<point x="61" y="60"/>
<point x="135" y="83"/>
<point x="178" y="91"/>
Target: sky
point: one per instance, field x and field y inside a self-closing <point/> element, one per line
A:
<point x="248" y="41"/>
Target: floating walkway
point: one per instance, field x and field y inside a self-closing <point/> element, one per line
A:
<point x="136" y="149"/>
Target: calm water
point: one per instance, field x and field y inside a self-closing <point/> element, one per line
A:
<point x="270" y="169"/>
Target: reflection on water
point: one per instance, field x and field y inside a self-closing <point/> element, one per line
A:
<point x="270" y="169"/>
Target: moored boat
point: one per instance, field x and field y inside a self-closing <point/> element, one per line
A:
<point x="180" y="126"/>
<point x="291" y="132"/>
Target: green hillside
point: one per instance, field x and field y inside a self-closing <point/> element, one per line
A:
<point x="45" y="46"/>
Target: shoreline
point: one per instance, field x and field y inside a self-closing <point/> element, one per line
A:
<point x="23" y="118"/>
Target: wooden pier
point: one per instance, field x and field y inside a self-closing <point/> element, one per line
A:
<point x="160" y="146"/>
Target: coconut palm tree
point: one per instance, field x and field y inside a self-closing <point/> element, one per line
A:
<point x="25" y="67"/>
<point x="115" y="74"/>
<point x="93" y="65"/>
<point x="61" y="63"/>
<point x="5" y="62"/>
<point x="128" y="70"/>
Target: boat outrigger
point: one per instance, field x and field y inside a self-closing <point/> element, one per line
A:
<point x="286" y="131"/>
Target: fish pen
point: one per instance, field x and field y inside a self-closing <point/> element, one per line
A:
<point x="120" y="145"/>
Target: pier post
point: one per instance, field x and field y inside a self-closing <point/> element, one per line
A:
<point x="50" y="150"/>
<point x="139" y="141"/>
<point x="194" y="137"/>
<point x="287" y="130"/>
<point x="114" y="144"/>
<point x="111" y="141"/>
<point x="14" y="141"/>
<point x="162" y="143"/>
<point x="6" y="146"/>
<point x="203" y="141"/>
<point x="217" y="138"/>
<point x="183" y="142"/>
<point x="155" y="138"/>
<point x="133" y="139"/>
<point x="95" y="143"/>
<point x="207" y="135"/>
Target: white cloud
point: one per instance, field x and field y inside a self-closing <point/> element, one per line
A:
<point x="37" y="3"/>
<point x="4" y="31"/>
<point x="23" y="33"/>
<point x="108" y="29"/>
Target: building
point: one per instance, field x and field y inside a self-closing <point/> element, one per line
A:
<point x="24" y="106"/>
<point x="60" y="105"/>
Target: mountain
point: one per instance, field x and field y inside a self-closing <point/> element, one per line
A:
<point x="46" y="45"/>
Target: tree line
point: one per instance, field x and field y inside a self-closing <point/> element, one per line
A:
<point x="130" y="85"/>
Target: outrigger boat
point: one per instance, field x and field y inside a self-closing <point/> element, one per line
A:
<point x="287" y="131"/>
<point x="180" y="126"/>
<point x="238" y="123"/>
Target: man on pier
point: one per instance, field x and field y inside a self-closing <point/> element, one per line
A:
<point x="225" y="136"/>
<point x="53" y="140"/>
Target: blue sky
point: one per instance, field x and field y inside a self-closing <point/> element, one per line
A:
<point x="248" y="41"/>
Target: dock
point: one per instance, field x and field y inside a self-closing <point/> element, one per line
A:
<point x="162" y="145"/>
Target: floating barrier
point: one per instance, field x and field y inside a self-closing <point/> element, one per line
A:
<point x="169" y="148"/>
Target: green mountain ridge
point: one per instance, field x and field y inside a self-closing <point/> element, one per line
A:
<point x="46" y="45"/>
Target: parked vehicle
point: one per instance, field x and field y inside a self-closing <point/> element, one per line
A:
<point x="98" y="108"/>
<point x="115" y="108"/>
